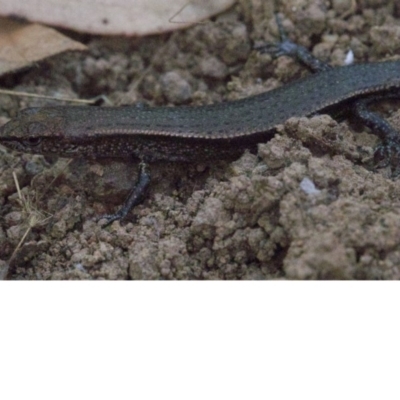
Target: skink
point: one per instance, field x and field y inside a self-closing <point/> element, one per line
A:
<point x="207" y="132"/>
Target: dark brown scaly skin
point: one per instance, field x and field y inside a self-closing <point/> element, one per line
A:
<point x="211" y="132"/>
<point x="191" y="133"/>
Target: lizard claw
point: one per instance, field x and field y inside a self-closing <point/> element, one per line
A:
<point x="284" y="48"/>
<point x="110" y="218"/>
<point x="388" y="154"/>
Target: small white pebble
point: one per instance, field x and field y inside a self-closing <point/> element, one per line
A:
<point x="80" y="267"/>
<point x="349" y="58"/>
<point x="307" y="185"/>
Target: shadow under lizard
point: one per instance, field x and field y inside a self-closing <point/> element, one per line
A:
<point x="212" y="132"/>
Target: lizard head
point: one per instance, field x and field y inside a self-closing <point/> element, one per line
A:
<point x="34" y="130"/>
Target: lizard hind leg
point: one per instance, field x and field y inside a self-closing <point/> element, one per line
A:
<point x="388" y="152"/>
<point x="287" y="47"/>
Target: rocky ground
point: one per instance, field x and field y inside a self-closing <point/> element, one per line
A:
<point x="308" y="205"/>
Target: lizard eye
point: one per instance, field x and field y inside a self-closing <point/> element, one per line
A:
<point x="33" y="141"/>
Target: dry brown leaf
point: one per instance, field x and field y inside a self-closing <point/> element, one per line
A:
<point x="23" y="44"/>
<point x="116" y="17"/>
